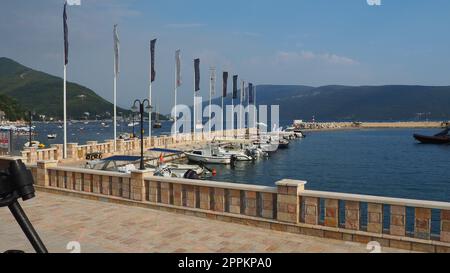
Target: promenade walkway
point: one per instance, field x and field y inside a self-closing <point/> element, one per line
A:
<point x="104" y="227"/>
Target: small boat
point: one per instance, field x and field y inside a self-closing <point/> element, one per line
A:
<point x="51" y="136"/>
<point x="180" y="171"/>
<point x="34" y="144"/>
<point x="131" y="124"/>
<point x="157" y="125"/>
<point x="283" y="144"/>
<point x="292" y="131"/>
<point x="238" y="155"/>
<point x="209" y="155"/>
<point x="441" y="138"/>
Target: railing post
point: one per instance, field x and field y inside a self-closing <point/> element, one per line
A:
<point x="352" y="215"/>
<point x="178" y="194"/>
<point x="72" y="150"/>
<point x="398" y="220"/>
<point x="219" y="199"/>
<point x="375" y="218"/>
<point x="288" y="200"/>
<point x="33" y="155"/>
<point x="92" y="146"/>
<point x="234" y="204"/>
<point x="331" y="218"/>
<point x="119" y="145"/>
<point x="422" y="223"/>
<point x="445" y="226"/>
<point x="267" y="205"/>
<point x="165" y="192"/>
<point x="58" y="152"/>
<point x="42" y="172"/>
<point x="250" y="203"/>
<point x="138" y="185"/>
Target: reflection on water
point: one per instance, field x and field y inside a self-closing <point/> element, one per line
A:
<point x="384" y="162"/>
<point x="80" y="132"/>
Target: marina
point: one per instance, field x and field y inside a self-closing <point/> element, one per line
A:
<point x="314" y="158"/>
<point x="249" y="127"/>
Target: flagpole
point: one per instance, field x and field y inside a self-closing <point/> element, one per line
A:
<point x="254" y="103"/>
<point x="232" y="115"/>
<point x="248" y="106"/>
<point x="210" y="94"/>
<point x="65" y="111"/>
<point x="150" y="111"/>
<point x="240" y="108"/>
<point x="223" y="131"/>
<point x="115" y="112"/>
<point x="175" y="106"/>
<point x="116" y="72"/>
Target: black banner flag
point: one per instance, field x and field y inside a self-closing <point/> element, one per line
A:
<point x="235" y="87"/>
<point x="197" y="74"/>
<point x="66" y="36"/>
<point x="225" y="84"/>
<point x="152" y="60"/>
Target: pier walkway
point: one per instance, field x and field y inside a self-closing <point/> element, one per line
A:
<point x="106" y="227"/>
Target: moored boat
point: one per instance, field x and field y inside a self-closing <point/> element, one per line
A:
<point x="208" y="155"/>
<point x="441" y="138"/>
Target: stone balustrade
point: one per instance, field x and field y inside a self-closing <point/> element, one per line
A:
<point x="426" y="221"/>
<point x="400" y="223"/>
<point x="79" y="152"/>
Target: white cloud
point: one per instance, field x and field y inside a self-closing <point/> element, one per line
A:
<point x="305" y="55"/>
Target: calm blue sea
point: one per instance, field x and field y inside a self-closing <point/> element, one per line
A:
<point x="386" y="162"/>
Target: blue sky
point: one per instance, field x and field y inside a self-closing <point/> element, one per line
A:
<point x="311" y="42"/>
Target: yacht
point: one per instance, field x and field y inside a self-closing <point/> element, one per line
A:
<point x="209" y="155"/>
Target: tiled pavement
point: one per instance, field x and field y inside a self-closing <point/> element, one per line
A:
<point x="104" y="227"/>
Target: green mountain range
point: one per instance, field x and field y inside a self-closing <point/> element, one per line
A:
<point x="42" y="93"/>
<point x="24" y="88"/>
<point x="356" y="103"/>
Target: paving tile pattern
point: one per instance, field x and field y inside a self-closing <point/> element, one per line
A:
<point x="104" y="227"/>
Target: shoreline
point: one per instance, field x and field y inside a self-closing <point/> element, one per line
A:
<point x="333" y="126"/>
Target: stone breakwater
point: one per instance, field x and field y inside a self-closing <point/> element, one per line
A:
<point x="356" y="125"/>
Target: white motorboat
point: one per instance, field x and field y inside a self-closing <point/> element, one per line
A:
<point x="34" y="144"/>
<point x="51" y="136"/>
<point x="256" y="152"/>
<point x="179" y="170"/>
<point x="294" y="131"/>
<point x="238" y="155"/>
<point x="209" y="155"/>
<point x="131" y="124"/>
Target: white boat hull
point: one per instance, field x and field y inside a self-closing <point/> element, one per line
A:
<point x="209" y="159"/>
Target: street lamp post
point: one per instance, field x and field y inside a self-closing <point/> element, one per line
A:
<point x="30" y="120"/>
<point x="141" y="112"/>
<point x="132" y="115"/>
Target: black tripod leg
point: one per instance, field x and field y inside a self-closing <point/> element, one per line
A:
<point x="27" y="227"/>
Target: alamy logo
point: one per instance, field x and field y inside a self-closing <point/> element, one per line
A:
<point x="374" y="2"/>
<point x="73" y="2"/>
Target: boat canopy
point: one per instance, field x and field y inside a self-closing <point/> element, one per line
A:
<point x="161" y="150"/>
<point x="443" y="133"/>
<point x="130" y="158"/>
